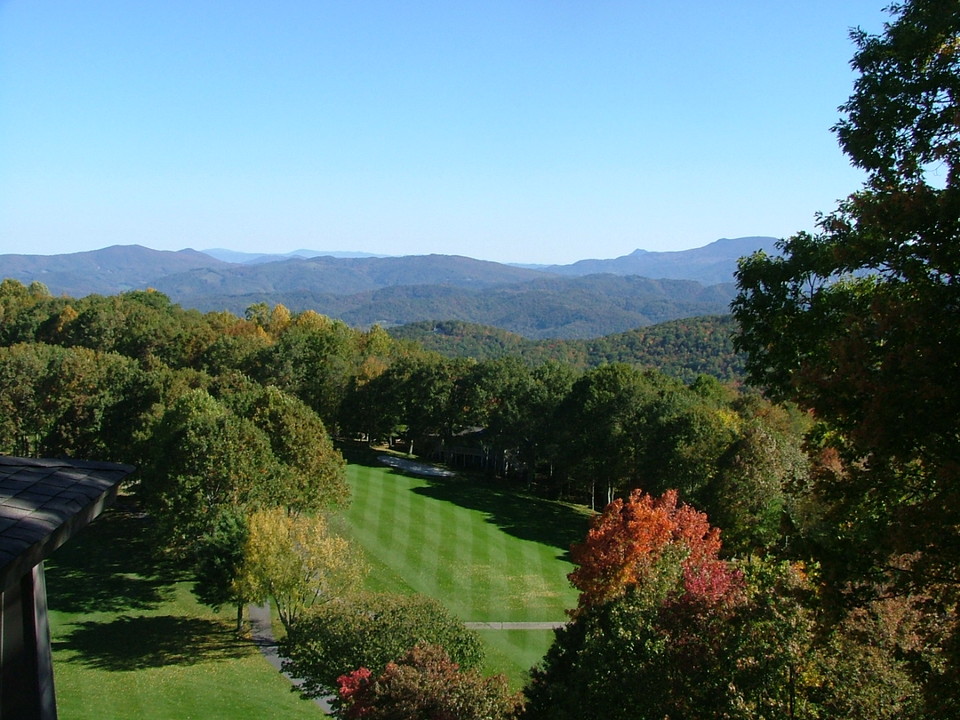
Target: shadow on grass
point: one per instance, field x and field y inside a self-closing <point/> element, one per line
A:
<point x="522" y="516"/>
<point x="137" y="643"/>
<point x="359" y="453"/>
<point x="109" y="567"/>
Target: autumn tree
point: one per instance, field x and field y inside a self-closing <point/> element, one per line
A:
<point x="425" y="683"/>
<point x="296" y="561"/>
<point x="628" y="543"/>
<point x="665" y="628"/>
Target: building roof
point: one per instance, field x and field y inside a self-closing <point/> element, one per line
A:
<point x="44" y="502"/>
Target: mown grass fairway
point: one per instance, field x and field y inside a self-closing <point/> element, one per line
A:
<point x="130" y="640"/>
<point x="487" y="553"/>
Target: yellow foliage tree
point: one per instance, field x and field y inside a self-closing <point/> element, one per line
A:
<point x="296" y="561"/>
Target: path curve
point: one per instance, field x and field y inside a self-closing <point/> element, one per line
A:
<point x="261" y="632"/>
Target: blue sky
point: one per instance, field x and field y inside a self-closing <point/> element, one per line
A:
<point x="508" y="130"/>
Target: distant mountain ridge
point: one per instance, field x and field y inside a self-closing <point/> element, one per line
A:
<point x="589" y="298"/>
<point x="246" y="258"/>
<point x="710" y="264"/>
<point x="113" y="269"/>
<point x="342" y="276"/>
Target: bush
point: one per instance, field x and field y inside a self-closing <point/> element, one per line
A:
<point x="369" y="631"/>
<point x="425" y="683"/>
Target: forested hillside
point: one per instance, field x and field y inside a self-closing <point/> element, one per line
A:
<point x="586" y="307"/>
<point x="681" y="348"/>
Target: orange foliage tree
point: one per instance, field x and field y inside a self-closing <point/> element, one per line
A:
<point x="638" y="540"/>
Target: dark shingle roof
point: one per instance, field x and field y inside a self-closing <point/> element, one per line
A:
<point x="44" y="502"/>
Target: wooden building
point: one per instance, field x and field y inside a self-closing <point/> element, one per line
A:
<point x="42" y="504"/>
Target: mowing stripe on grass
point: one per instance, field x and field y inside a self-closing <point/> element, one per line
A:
<point x="486" y="555"/>
<point x="480" y="570"/>
<point x="457" y="554"/>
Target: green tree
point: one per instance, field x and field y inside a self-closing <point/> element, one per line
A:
<point x="751" y="496"/>
<point x="24" y="310"/>
<point x="71" y="401"/>
<point x="683" y="433"/>
<point x="313" y="469"/>
<point x="863" y="668"/>
<point x="314" y="358"/>
<point x="370" y="630"/>
<point x="205" y="460"/>
<point x="598" y="420"/>
<point x="218" y="556"/>
<point x="858" y="321"/>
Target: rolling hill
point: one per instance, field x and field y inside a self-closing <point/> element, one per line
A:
<point x="546" y="308"/>
<point x="683" y="348"/>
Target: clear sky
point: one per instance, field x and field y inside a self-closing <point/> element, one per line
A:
<point x="509" y="130"/>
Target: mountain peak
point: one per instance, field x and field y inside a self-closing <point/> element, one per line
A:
<point x="711" y="264"/>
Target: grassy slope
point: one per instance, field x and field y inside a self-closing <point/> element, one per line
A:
<point x="486" y="553"/>
<point x="130" y="640"/>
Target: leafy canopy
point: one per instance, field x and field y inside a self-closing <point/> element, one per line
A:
<point x="858" y="322"/>
<point x="296" y="561"/>
<point x="636" y="540"/>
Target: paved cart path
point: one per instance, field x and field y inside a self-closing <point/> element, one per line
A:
<point x="262" y="634"/>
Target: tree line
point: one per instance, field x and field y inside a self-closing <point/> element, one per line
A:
<point x="111" y="376"/>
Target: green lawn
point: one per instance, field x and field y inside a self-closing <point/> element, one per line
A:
<point x="130" y="640"/>
<point x="487" y="553"/>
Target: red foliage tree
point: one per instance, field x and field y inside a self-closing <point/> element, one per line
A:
<point x="425" y="685"/>
<point x="639" y="540"/>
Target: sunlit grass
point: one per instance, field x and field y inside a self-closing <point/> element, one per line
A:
<point x="131" y="641"/>
<point x="486" y="552"/>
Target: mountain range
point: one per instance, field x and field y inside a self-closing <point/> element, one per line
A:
<point x="586" y="299"/>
